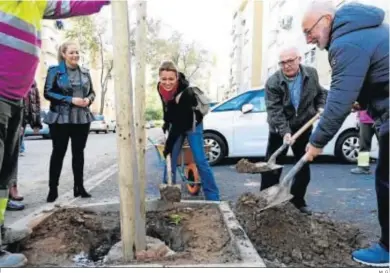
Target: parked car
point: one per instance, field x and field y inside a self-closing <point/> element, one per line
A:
<point x="150" y="124"/>
<point x="112" y="126"/>
<point x="44" y="132"/>
<point x="99" y="125"/>
<point x="238" y="127"/>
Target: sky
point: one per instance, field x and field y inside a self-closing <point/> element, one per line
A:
<point x="208" y="22"/>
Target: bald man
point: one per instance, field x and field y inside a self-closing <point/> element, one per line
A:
<point x="357" y="41"/>
<point x="293" y="96"/>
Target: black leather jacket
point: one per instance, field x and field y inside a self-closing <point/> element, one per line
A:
<point x="58" y="90"/>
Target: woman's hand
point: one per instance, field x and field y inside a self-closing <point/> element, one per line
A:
<point x="78" y="102"/>
<point x="81" y="102"/>
<point x="86" y="102"/>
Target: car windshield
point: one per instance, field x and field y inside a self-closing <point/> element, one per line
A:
<point x="99" y="117"/>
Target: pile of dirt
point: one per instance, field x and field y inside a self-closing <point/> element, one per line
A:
<point x="285" y="237"/>
<point x="69" y="232"/>
<point x="77" y="237"/>
<point x="199" y="235"/>
<point x="245" y="166"/>
<point x="170" y="193"/>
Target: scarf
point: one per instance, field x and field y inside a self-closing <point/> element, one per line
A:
<point x="167" y="95"/>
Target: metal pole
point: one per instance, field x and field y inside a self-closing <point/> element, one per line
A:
<point x="124" y="117"/>
<point x="140" y="56"/>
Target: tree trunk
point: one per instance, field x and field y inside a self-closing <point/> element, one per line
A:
<point x="140" y="55"/>
<point x="129" y="191"/>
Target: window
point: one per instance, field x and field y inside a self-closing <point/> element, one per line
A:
<point x="310" y="57"/>
<point x="313" y="55"/>
<point x="258" y="102"/>
<point x="234" y="104"/>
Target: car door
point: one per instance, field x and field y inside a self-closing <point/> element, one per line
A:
<point x="250" y="134"/>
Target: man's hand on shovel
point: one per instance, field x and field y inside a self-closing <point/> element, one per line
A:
<point x="288" y="139"/>
<point x="312" y="152"/>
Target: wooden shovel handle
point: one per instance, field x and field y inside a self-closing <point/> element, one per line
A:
<point x="169" y="169"/>
<point x="305" y="127"/>
<point x="273" y="157"/>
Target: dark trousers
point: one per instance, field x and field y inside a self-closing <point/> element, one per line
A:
<point x="60" y="134"/>
<point x="382" y="188"/>
<point x="366" y="132"/>
<point x="10" y="125"/>
<point x="301" y="180"/>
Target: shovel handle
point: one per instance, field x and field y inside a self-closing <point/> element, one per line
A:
<point x="305" y="127"/>
<point x="273" y="157"/>
<point x="288" y="178"/>
<point x="169" y="169"/>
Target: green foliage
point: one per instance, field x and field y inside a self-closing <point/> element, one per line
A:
<point x="153" y="114"/>
<point x="175" y="219"/>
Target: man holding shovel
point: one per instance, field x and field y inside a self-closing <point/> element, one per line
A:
<point x="357" y="41"/>
<point x="293" y="97"/>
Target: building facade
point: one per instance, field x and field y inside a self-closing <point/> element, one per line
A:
<point x="284" y="19"/>
<point x="246" y="57"/>
<point x="52" y="37"/>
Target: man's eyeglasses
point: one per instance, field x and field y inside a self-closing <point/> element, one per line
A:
<point x="287" y="62"/>
<point x="307" y="33"/>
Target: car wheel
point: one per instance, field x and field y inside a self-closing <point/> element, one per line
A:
<point x="97" y="132"/>
<point x="218" y="148"/>
<point x="347" y="147"/>
<point x="114" y="131"/>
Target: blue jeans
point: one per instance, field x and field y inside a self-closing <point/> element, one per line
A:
<point x="195" y="140"/>
<point x="22" y="146"/>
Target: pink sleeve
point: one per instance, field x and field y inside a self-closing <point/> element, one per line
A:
<point x="70" y="8"/>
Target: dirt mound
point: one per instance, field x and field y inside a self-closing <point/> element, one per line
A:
<point x="285" y="237"/>
<point x="69" y="232"/>
<point x="199" y="235"/>
<point x="245" y="166"/>
<point x="78" y="237"/>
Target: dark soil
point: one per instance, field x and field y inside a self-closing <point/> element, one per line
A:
<point x="197" y="235"/>
<point x="69" y="232"/>
<point x="170" y="193"/>
<point x="245" y="166"/>
<point x="200" y="233"/>
<point x="285" y="237"/>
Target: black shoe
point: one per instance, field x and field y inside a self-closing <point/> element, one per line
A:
<point x="80" y="191"/>
<point x="305" y="210"/>
<point x="76" y="192"/>
<point x="53" y="195"/>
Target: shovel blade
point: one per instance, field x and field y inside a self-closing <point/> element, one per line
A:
<point x="275" y="195"/>
<point x="267" y="167"/>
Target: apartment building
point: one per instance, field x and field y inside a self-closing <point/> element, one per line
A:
<point x="52" y="36"/>
<point x="284" y="19"/>
<point x="246" y="58"/>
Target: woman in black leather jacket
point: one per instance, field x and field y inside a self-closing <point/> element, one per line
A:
<point x="69" y="89"/>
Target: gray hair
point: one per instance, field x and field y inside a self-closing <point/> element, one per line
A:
<point x="293" y="48"/>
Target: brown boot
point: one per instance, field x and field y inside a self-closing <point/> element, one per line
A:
<point x="14" y="195"/>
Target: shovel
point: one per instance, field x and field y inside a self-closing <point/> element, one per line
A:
<point x="280" y="193"/>
<point x="271" y="164"/>
<point x="169" y="192"/>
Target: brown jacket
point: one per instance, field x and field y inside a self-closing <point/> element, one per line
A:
<point x="32" y="108"/>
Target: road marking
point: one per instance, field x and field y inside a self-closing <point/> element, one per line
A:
<point x="67" y="198"/>
<point x="252" y="184"/>
<point x="347" y="189"/>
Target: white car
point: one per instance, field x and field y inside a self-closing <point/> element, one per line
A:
<point x="99" y="125"/>
<point x="112" y="126"/>
<point x="238" y="127"/>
